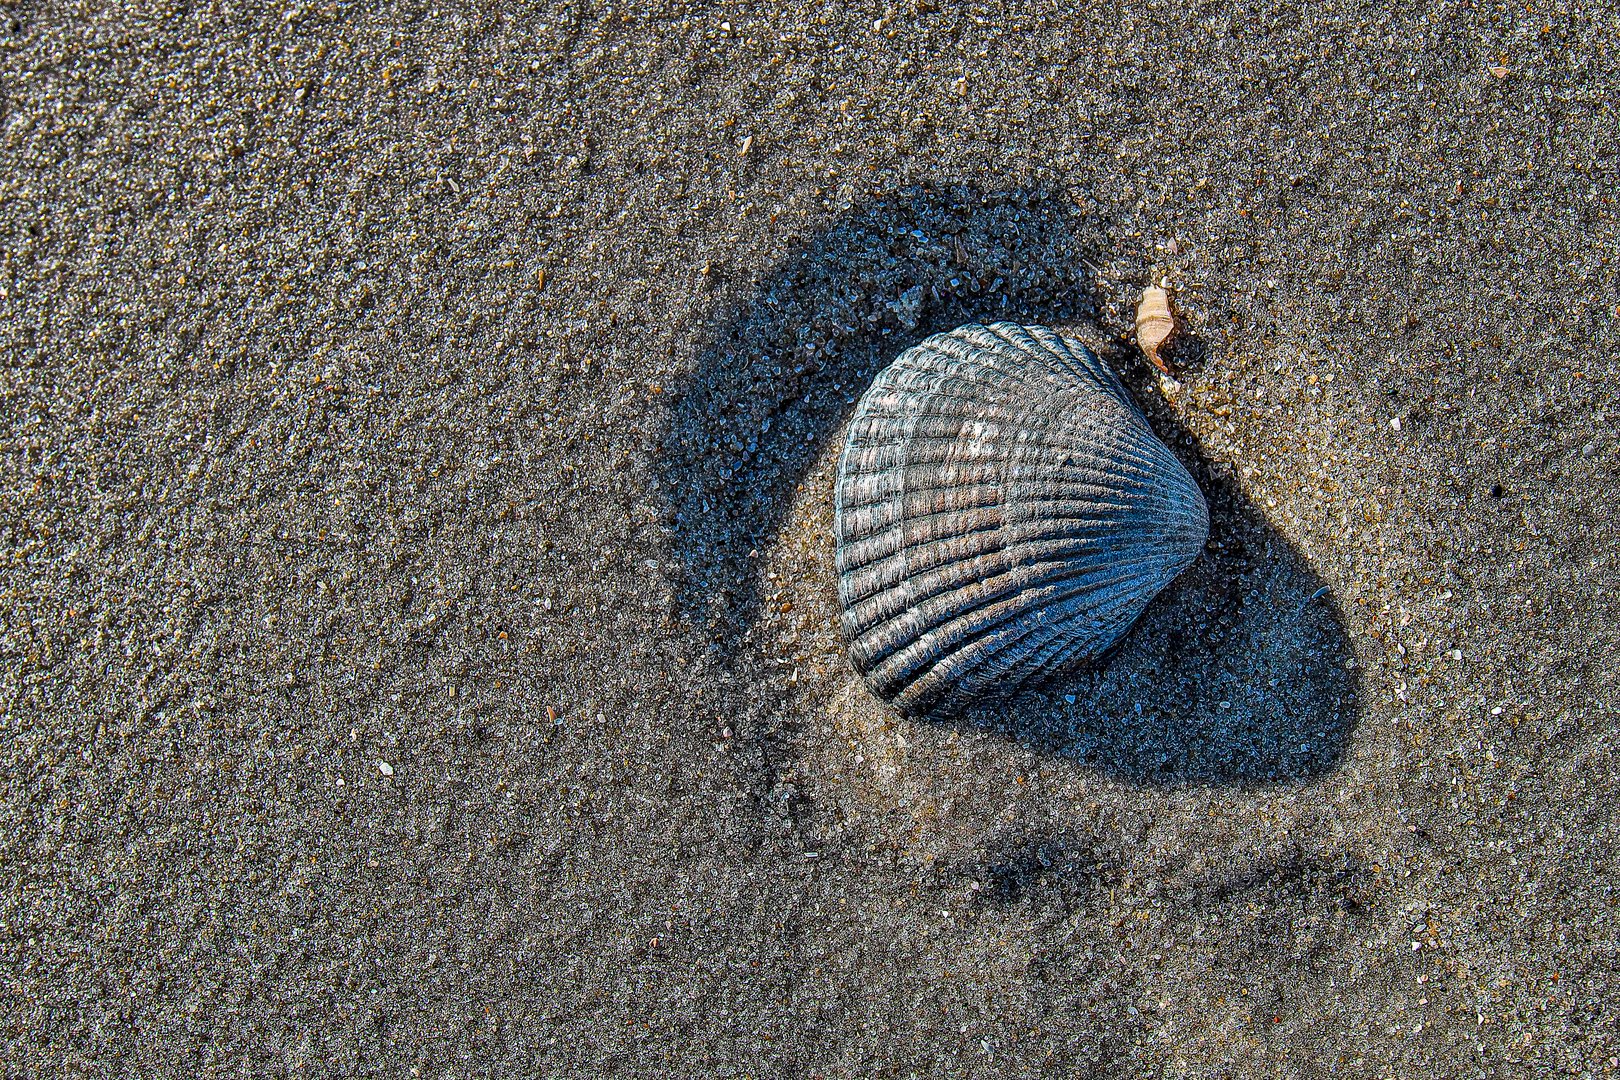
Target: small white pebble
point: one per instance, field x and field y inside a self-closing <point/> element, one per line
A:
<point x="1395" y="422"/>
<point x="385" y="768"/>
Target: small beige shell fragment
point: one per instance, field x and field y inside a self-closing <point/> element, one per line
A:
<point x="1155" y="323"/>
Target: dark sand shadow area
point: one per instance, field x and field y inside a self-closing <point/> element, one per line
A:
<point x="1236" y="674"/>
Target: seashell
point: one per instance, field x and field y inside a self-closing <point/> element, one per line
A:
<point x="1003" y="513"/>
<point x="1155" y="324"/>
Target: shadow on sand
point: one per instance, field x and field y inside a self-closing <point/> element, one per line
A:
<point x="1237" y="674"/>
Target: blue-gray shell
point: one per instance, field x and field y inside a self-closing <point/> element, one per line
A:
<point x="1003" y="513"/>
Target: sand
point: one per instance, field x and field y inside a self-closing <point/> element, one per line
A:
<point x="420" y="648"/>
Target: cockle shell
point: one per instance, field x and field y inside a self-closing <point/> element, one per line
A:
<point x="1003" y="513"/>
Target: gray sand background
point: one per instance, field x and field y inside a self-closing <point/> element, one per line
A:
<point x="415" y="573"/>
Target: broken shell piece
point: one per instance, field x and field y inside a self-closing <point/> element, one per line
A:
<point x="1155" y="324"/>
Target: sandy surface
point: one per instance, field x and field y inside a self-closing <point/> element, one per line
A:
<point x="415" y="442"/>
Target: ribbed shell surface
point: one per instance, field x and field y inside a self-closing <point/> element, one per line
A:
<point x="1003" y="512"/>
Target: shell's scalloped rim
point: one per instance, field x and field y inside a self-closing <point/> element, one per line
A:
<point x="1003" y="513"/>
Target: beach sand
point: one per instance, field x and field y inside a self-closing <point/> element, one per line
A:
<point x="419" y="628"/>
